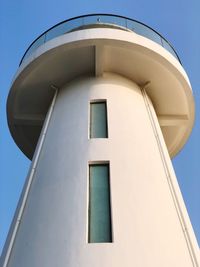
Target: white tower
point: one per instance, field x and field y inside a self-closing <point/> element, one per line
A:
<point x="111" y="103"/>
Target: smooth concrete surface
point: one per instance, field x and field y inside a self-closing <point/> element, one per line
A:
<point x="93" y="52"/>
<point x="149" y="220"/>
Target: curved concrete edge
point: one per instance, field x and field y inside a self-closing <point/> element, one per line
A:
<point x="124" y="40"/>
<point x="103" y="34"/>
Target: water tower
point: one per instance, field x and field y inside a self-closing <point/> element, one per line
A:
<point x="100" y="103"/>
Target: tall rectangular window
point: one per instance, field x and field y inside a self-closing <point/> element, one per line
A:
<point x="99" y="217"/>
<point x="98" y="120"/>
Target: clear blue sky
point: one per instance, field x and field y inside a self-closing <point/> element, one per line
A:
<point x="21" y="21"/>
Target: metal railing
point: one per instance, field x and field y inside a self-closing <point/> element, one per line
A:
<point x="98" y="20"/>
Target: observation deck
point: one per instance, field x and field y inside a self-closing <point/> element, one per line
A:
<point x="90" y="46"/>
<point x="99" y="21"/>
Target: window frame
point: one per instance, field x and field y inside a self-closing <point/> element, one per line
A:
<point x="97" y="163"/>
<point x="93" y="101"/>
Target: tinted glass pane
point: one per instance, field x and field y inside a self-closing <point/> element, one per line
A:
<point x="98" y="120"/>
<point x="91" y="20"/>
<point x="35" y="45"/>
<point x="63" y="28"/>
<point x="168" y="47"/>
<point x="144" y="31"/>
<point x="99" y="204"/>
<point x="114" y="20"/>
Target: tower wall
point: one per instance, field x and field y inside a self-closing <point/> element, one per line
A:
<point x="146" y="225"/>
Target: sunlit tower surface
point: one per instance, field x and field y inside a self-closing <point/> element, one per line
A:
<point x="100" y="103"/>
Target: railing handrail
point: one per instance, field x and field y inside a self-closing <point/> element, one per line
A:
<point x="102" y="14"/>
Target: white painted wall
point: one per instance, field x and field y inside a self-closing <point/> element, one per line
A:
<point x="92" y="52"/>
<point x="147" y="229"/>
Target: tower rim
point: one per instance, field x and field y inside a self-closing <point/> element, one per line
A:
<point x="101" y="50"/>
<point x="124" y="23"/>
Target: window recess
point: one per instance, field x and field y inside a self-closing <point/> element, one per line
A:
<point x="99" y="212"/>
<point x="98" y="119"/>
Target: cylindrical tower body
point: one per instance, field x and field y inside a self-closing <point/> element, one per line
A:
<point x="101" y="189"/>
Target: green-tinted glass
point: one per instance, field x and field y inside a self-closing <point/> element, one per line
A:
<point x="99" y="204"/>
<point x="98" y="120"/>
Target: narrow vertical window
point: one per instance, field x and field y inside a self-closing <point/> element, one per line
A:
<point x="98" y="120"/>
<point x="99" y="217"/>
